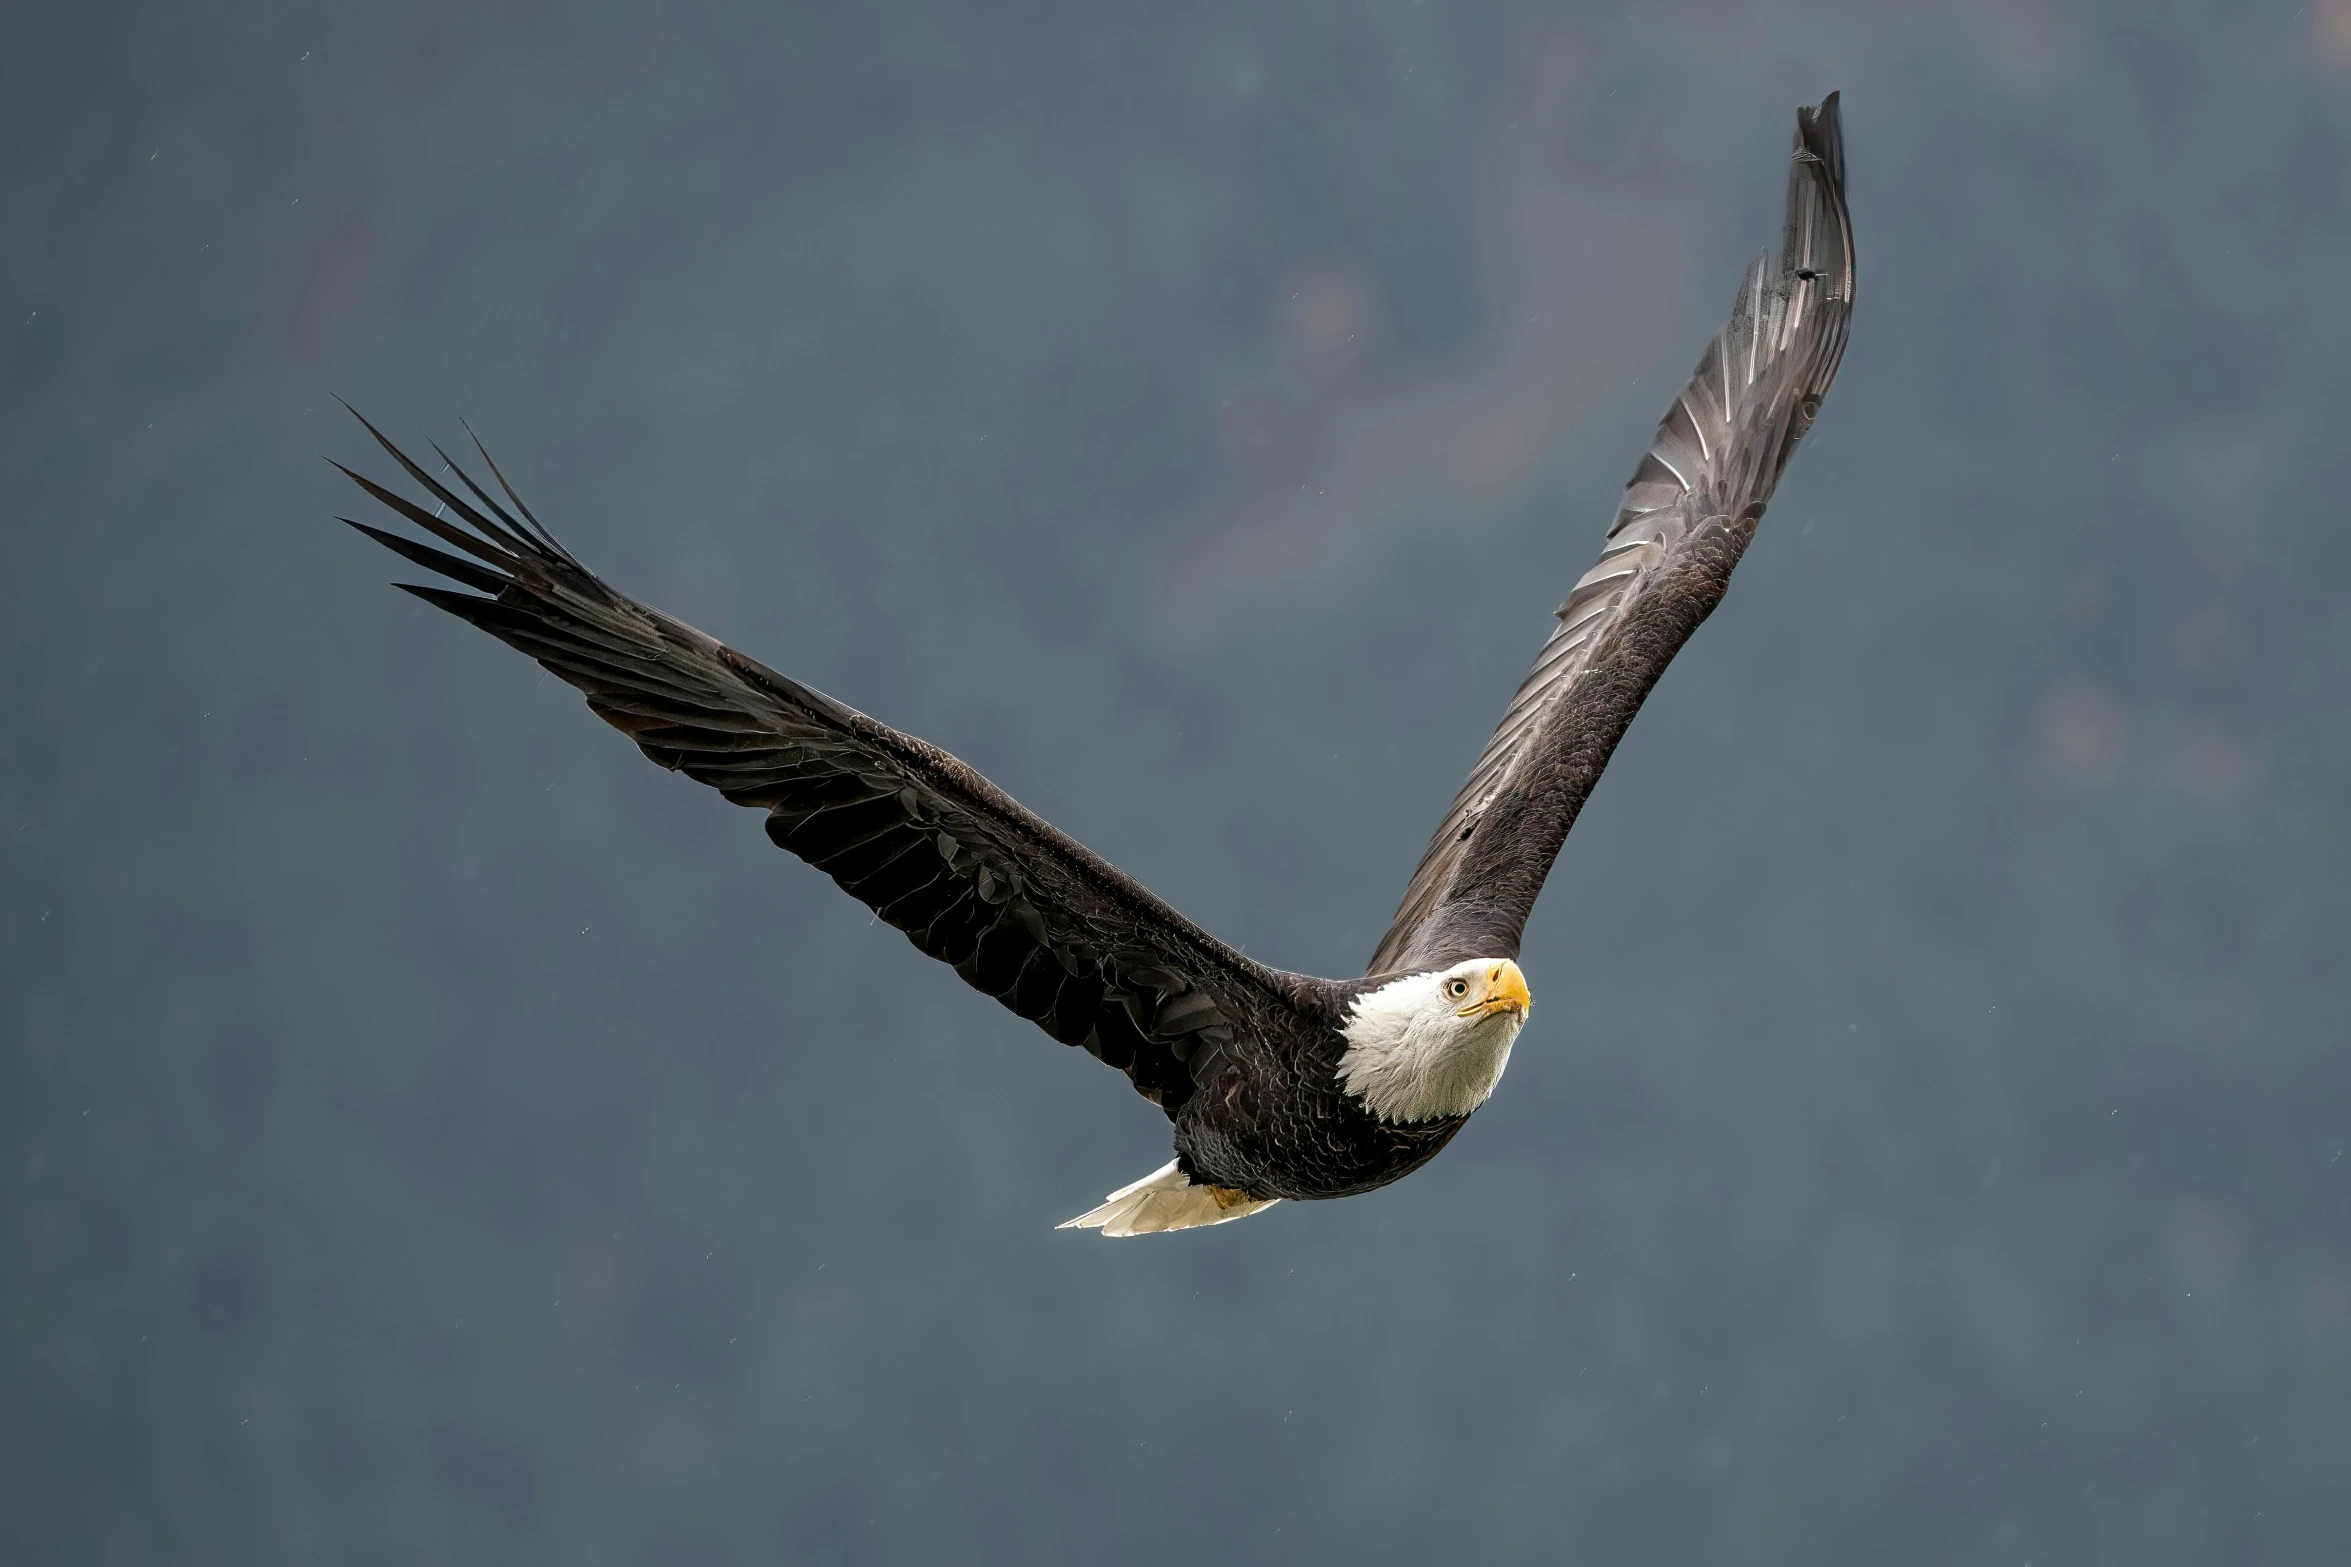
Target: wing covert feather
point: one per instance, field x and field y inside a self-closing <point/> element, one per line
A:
<point x="1690" y="508"/>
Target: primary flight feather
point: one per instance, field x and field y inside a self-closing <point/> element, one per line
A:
<point x="1278" y="1085"/>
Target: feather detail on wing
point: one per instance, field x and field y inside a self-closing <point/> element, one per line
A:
<point x="1687" y="515"/>
<point x="1022" y="911"/>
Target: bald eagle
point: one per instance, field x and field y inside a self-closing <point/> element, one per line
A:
<point x="1279" y="1085"/>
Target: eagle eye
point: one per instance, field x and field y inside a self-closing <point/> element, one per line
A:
<point x="1457" y="987"/>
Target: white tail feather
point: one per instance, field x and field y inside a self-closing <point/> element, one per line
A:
<point x="1166" y="1199"/>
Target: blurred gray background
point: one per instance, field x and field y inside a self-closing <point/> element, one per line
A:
<point x="430" y="1133"/>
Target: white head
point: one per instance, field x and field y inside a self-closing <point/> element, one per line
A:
<point x="1434" y="1044"/>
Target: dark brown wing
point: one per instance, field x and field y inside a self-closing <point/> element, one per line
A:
<point x="1687" y="516"/>
<point x="1021" y="911"/>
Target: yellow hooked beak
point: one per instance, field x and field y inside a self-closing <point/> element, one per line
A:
<point x="1505" y="991"/>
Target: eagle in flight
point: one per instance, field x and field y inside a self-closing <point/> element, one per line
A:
<point x="1279" y="1085"/>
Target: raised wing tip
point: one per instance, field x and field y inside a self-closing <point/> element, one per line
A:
<point x="1817" y="245"/>
<point x="1820" y="133"/>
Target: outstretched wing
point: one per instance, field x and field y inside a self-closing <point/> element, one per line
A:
<point x="1023" y="912"/>
<point x="1691" y="508"/>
